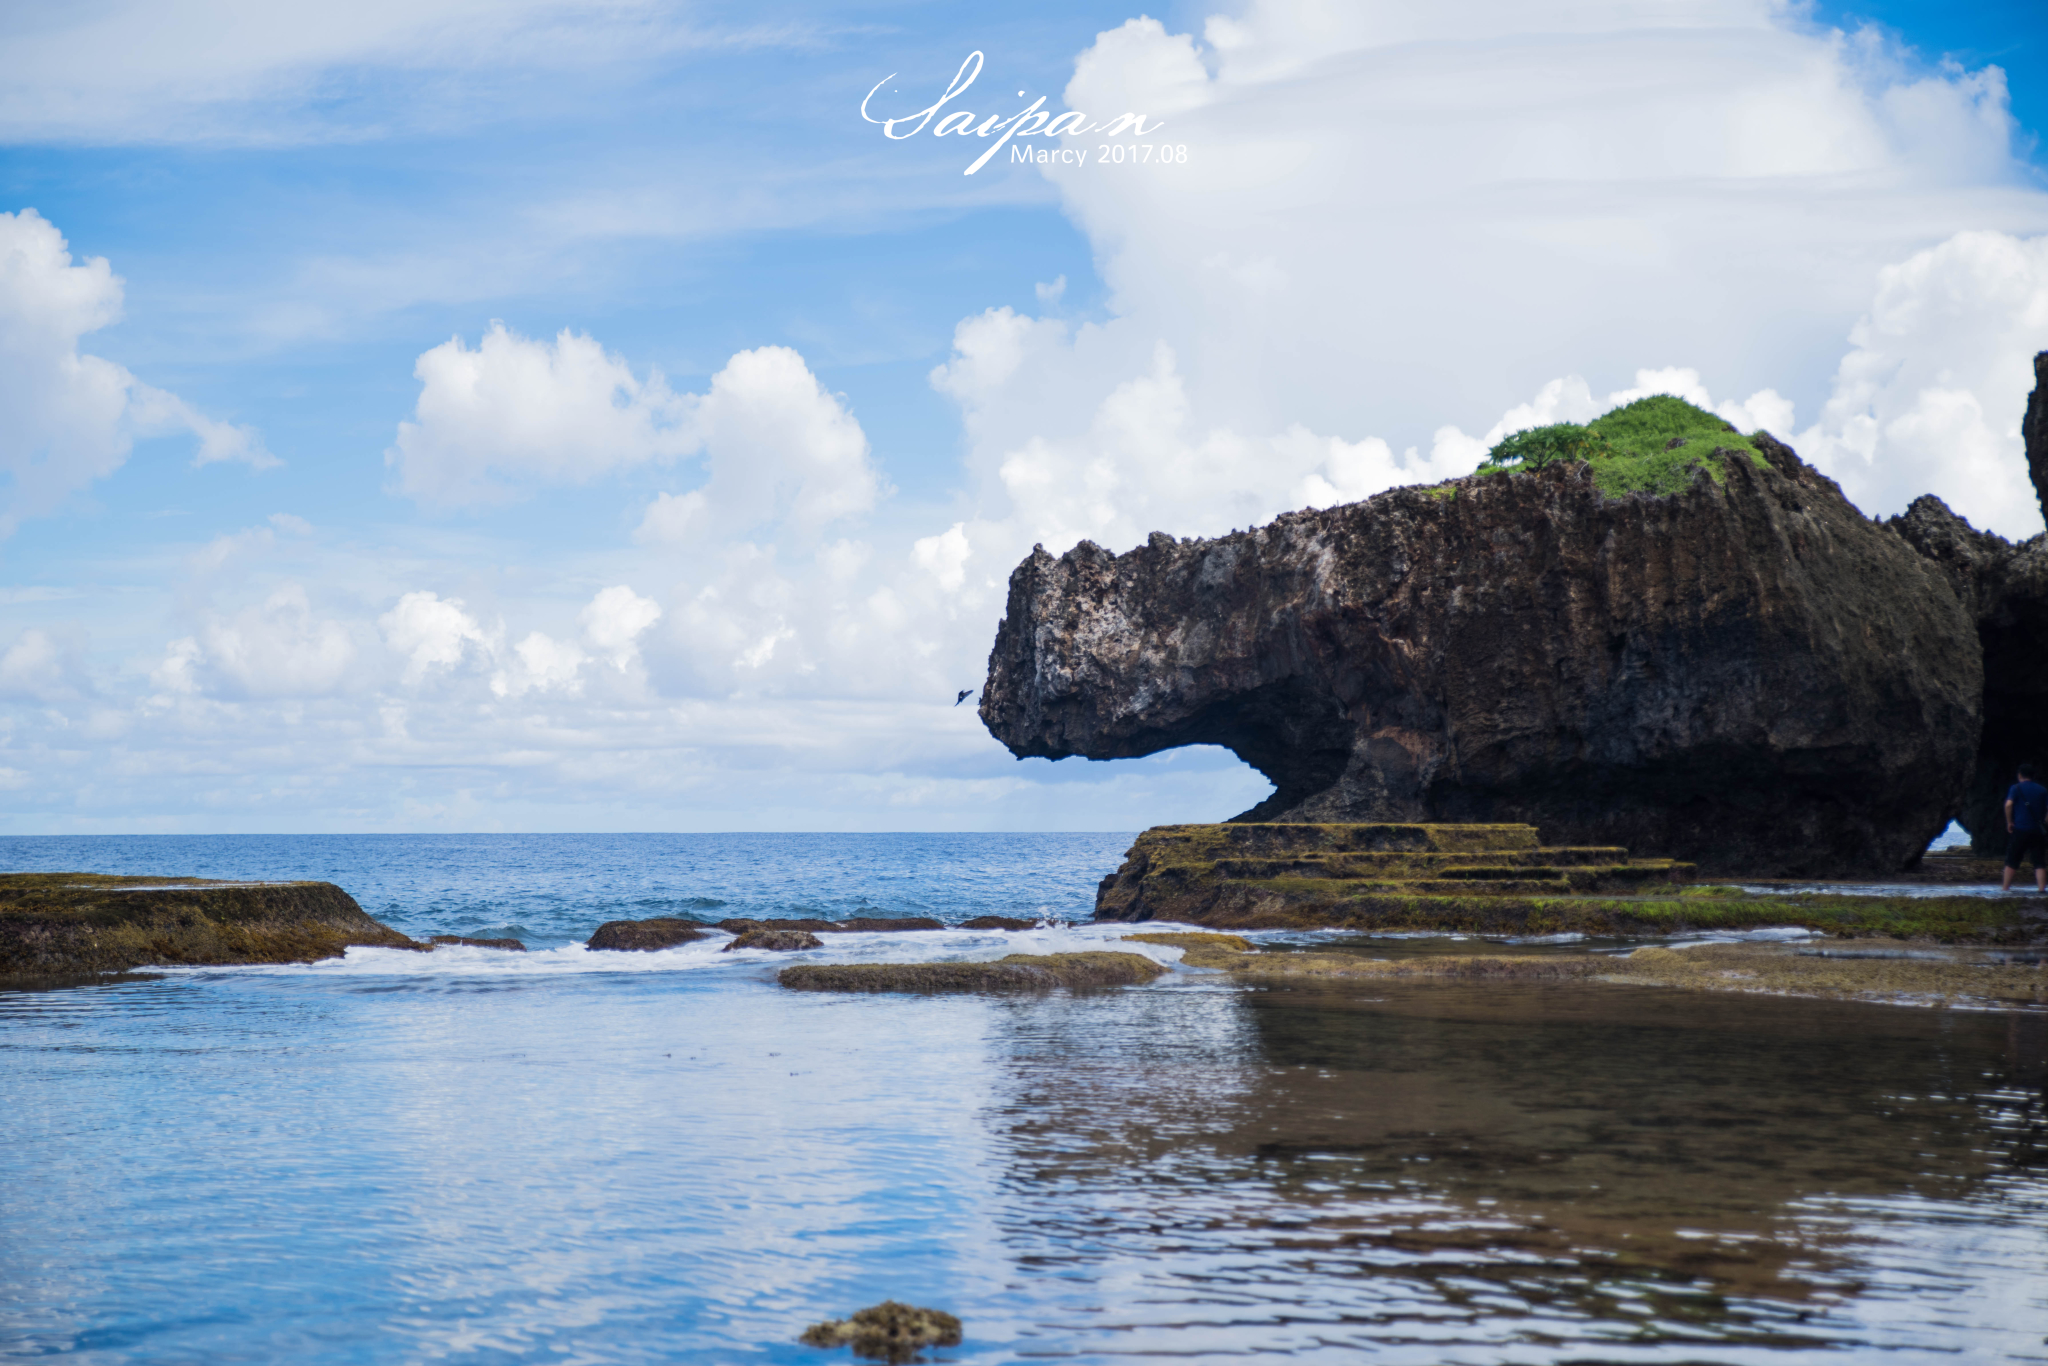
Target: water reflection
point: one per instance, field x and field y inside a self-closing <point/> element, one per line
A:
<point x="1518" y="1172"/>
<point x="648" y="1167"/>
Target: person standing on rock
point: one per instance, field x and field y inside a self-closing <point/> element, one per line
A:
<point x="2026" y="828"/>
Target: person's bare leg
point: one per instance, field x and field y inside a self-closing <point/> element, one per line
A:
<point x="2006" y="886"/>
<point x="2040" y="878"/>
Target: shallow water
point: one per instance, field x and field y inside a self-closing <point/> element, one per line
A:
<point x="563" y="1156"/>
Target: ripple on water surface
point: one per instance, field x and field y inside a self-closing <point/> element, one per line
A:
<point x="480" y="1157"/>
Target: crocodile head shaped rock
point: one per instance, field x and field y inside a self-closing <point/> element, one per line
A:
<point x="1748" y="674"/>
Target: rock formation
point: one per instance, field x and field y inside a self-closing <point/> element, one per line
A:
<point x="645" y="936"/>
<point x="1749" y="674"/>
<point x="2004" y="588"/>
<point x="65" y="924"/>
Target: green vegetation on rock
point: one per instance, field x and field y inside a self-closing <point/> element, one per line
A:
<point x="1650" y="446"/>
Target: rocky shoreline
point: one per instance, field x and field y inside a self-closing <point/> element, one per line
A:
<point x="1953" y="978"/>
<point x="77" y="924"/>
<point x="1499" y="880"/>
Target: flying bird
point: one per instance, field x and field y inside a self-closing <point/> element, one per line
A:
<point x="965" y="693"/>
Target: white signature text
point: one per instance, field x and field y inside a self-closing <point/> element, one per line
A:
<point x="1031" y="121"/>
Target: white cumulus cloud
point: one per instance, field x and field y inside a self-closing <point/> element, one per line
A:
<point x="277" y="648"/>
<point x="779" y="448"/>
<point x="1394" y="224"/>
<point x="432" y="632"/>
<point x="72" y="418"/>
<point x="516" y="413"/>
<point x="1930" y="398"/>
<point x="614" y="620"/>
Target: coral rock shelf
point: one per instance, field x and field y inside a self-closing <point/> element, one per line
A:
<point x="1493" y="879"/>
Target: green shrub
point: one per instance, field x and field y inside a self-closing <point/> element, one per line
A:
<point x="1650" y="446"/>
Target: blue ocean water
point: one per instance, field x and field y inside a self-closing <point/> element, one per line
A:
<point x="554" y="889"/>
<point x="563" y="1156"/>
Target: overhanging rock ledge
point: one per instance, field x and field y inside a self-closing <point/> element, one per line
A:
<point x="1749" y="674"/>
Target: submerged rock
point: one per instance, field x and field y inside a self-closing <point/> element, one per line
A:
<point x="780" y="940"/>
<point x="887" y="1332"/>
<point x="1018" y="972"/>
<point x="511" y="945"/>
<point x="645" y="936"/>
<point x="1749" y="674"/>
<point x="70" y="924"/>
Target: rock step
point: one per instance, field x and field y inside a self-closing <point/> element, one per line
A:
<point x="1415" y="864"/>
<point x="1187" y="872"/>
<point x="1202" y="843"/>
<point x="1507" y="882"/>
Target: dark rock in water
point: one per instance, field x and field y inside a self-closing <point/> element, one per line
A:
<point x="645" y="936"/>
<point x="856" y="923"/>
<point x="1749" y="675"/>
<point x="513" y="945"/>
<point x="69" y="924"/>
<point x="780" y="940"/>
<point x="998" y="922"/>
<point x="1018" y="972"/>
<point x="2006" y="588"/>
<point x="887" y="1332"/>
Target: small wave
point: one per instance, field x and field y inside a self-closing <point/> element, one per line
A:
<point x="709" y="953"/>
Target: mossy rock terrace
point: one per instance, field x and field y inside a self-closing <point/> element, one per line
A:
<point x="1016" y="972"/>
<point x="1490" y="879"/>
<point x="73" y="924"/>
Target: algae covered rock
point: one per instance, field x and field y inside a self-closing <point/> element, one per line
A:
<point x="781" y="941"/>
<point x="998" y="922"/>
<point x="1017" y="972"/>
<point x="72" y="924"/>
<point x="1747" y="674"/>
<point x="645" y="936"/>
<point x="1299" y="875"/>
<point x="1492" y="880"/>
<point x="1199" y="949"/>
<point x="888" y="1331"/>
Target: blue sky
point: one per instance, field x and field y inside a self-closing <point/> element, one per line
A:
<point x="1400" y="230"/>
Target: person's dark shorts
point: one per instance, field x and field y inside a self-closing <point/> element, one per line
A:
<point x="2026" y="844"/>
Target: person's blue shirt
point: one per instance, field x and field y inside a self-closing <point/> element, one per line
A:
<point x="2029" y="805"/>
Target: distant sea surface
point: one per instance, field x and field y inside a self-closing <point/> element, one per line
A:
<point x="474" y="1156"/>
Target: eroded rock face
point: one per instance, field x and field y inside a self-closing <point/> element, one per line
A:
<point x="2034" y="428"/>
<point x="2004" y="588"/>
<point x="1751" y="676"/>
